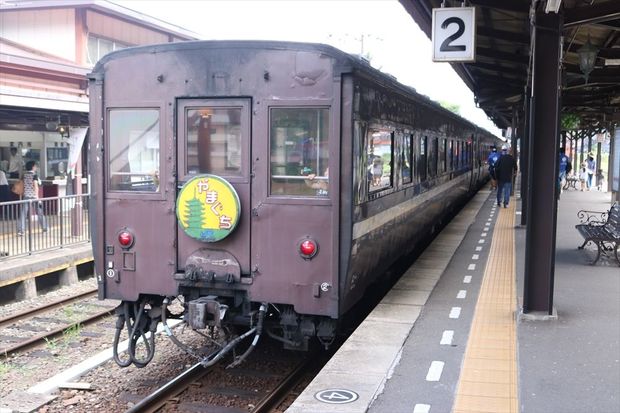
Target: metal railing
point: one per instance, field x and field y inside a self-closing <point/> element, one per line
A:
<point x="34" y="225"/>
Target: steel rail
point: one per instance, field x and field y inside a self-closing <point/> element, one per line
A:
<point x="161" y="396"/>
<point x="277" y="395"/>
<point x="32" y="341"/>
<point x="4" y="321"/>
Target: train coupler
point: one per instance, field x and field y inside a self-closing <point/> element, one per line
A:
<point x="205" y="311"/>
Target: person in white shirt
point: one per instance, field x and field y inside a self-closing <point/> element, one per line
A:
<point x="4" y="187"/>
<point x="16" y="163"/>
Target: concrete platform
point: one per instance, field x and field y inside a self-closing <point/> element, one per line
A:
<point x="21" y="268"/>
<point x="418" y="351"/>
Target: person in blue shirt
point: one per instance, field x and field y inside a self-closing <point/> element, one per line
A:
<point x="565" y="167"/>
<point x="591" y="166"/>
<point x="491" y="161"/>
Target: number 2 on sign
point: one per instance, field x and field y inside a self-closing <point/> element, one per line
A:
<point x="445" y="45"/>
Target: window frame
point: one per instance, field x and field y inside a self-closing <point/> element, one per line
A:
<point x="334" y="172"/>
<point x="121" y="194"/>
<point x="242" y="171"/>
<point x="379" y="192"/>
<point x="407" y="136"/>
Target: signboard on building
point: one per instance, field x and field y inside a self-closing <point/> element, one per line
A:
<point x="454" y="34"/>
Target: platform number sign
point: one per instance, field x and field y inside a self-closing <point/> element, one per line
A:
<point x="454" y="34"/>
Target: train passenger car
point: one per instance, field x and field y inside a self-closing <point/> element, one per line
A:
<point x="266" y="183"/>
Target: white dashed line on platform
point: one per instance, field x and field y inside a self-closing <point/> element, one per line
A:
<point x="462" y="294"/>
<point x="475" y="257"/>
<point x="467" y="279"/>
<point x="481" y="241"/>
<point x="422" y="408"/>
<point x="478" y="248"/>
<point x="471" y="267"/>
<point x="446" y="338"/>
<point x="455" y="312"/>
<point x="434" y="371"/>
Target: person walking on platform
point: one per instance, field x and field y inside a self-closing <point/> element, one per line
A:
<point x="31" y="194"/>
<point x="491" y="161"/>
<point x="583" y="175"/>
<point x="505" y="168"/>
<point x="565" y="168"/>
<point x="591" y="169"/>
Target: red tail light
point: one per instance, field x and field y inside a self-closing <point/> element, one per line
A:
<point x="125" y="238"/>
<point x="308" y="248"/>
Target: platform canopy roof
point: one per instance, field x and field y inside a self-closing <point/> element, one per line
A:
<point x="499" y="76"/>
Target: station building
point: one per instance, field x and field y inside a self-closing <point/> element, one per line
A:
<point x="46" y="49"/>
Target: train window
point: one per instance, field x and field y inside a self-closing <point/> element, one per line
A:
<point x="406" y="161"/>
<point x="457" y="155"/>
<point x="433" y="157"/>
<point x="133" y="150"/>
<point x="380" y="151"/>
<point x="443" y="149"/>
<point x="213" y="141"/>
<point x="422" y="167"/>
<point x="451" y="154"/>
<point x="299" y="151"/>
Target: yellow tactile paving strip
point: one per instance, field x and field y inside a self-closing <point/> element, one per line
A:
<point x="488" y="381"/>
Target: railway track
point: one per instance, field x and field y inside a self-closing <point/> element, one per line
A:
<point x="166" y="397"/>
<point x="16" y="330"/>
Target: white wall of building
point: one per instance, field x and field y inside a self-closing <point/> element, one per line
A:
<point x="51" y="31"/>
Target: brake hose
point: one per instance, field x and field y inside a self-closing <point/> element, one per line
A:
<point x="259" y="329"/>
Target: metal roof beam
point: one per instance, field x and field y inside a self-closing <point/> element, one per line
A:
<point x="510" y="5"/>
<point x="591" y="14"/>
<point x="497" y="55"/>
<point x="496" y="68"/>
<point x="513" y="37"/>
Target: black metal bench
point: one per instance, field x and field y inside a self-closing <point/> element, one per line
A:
<point x="601" y="228"/>
<point x="570" y="182"/>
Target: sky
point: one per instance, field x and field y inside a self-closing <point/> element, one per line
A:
<point x="380" y="28"/>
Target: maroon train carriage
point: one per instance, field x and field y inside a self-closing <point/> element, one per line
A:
<point x="265" y="183"/>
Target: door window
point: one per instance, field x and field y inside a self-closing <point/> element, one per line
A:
<point x="134" y="150"/>
<point x="213" y="141"/>
<point x="299" y="151"/>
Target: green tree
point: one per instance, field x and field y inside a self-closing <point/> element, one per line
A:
<point x="452" y="107"/>
<point x="570" y="121"/>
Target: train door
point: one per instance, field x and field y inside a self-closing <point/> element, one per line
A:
<point x="138" y="197"/>
<point x="294" y="228"/>
<point x="214" y="138"/>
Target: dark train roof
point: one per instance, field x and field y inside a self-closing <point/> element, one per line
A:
<point x="346" y="62"/>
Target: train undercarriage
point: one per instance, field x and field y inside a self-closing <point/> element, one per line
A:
<point x="226" y="324"/>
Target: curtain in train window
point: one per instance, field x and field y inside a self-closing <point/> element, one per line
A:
<point x="299" y="151"/>
<point x="133" y="150"/>
<point x="213" y="141"/>
<point x="380" y="149"/>
<point x="406" y="161"/>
